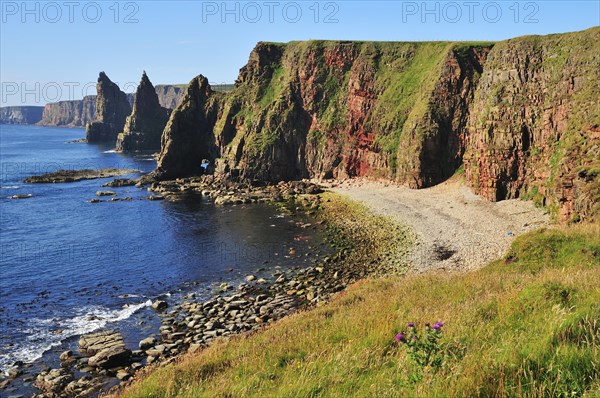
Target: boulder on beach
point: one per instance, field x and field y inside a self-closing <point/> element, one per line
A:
<point x="53" y="381"/>
<point x="111" y="357"/>
<point x="147" y="343"/>
<point x="92" y="343"/>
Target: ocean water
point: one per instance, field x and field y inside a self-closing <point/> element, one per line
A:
<point x="69" y="267"/>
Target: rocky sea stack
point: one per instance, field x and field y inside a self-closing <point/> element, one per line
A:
<point x="144" y="127"/>
<point x="112" y="109"/>
<point x="519" y="117"/>
<point x="188" y="137"/>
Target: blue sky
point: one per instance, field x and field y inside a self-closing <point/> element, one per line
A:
<point x="54" y="50"/>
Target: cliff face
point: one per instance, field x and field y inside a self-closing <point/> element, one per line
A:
<point x="336" y="109"/>
<point x="521" y="115"/>
<point x="112" y="108"/>
<point x="534" y="128"/>
<point x="76" y="113"/>
<point x="20" y="114"/>
<point x="170" y="95"/>
<point x="143" y="128"/>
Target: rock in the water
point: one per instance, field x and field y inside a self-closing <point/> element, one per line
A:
<point x="14" y="372"/>
<point x="66" y="356"/>
<point x="120" y="182"/>
<point x="105" y="193"/>
<point x="159" y="305"/>
<point x="22" y="196"/>
<point x="77" y="175"/>
<point x="111" y="357"/>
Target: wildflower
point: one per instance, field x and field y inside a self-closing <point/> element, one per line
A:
<point x="411" y="325"/>
<point x="414" y="337"/>
<point x="436" y="327"/>
<point x="400" y="338"/>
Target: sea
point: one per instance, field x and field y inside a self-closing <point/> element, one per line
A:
<point x="70" y="267"/>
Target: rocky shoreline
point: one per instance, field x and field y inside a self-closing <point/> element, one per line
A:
<point x="362" y="248"/>
<point x="226" y="192"/>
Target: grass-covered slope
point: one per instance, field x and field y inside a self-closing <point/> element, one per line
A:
<point x="526" y="325"/>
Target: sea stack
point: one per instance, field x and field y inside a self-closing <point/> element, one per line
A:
<point x="112" y="108"/>
<point x="143" y="128"/>
<point x="188" y="138"/>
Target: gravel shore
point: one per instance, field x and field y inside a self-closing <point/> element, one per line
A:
<point x="454" y="228"/>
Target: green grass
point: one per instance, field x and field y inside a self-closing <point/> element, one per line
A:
<point x="275" y="87"/>
<point x="317" y="139"/>
<point x="406" y="78"/>
<point x="525" y="325"/>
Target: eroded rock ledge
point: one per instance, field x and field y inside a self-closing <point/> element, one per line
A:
<point x="61" y="176"/>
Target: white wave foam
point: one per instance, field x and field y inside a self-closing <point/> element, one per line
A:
<point x="42" y="334"/>
<point x="10" y="187"/>
<point x="127" y="295"/>
<point x="111" y="151"/>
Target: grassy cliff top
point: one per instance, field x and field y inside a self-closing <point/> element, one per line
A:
<point x="590" y="30"/>
<point x="359" y="42"/>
